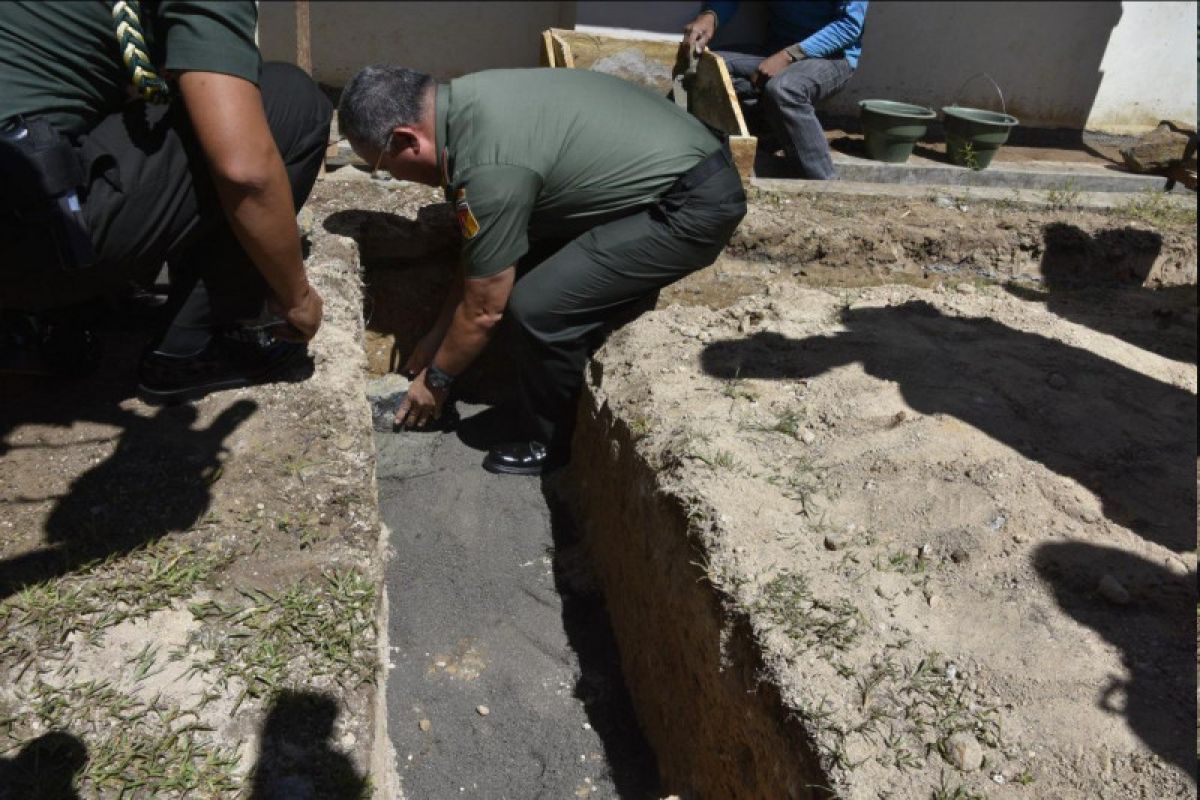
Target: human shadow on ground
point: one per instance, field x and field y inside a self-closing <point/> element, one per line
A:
<point x="44" y="769"/>
<point x="156" y="480"/>
<point x="1127" y="437"/>
<point x="1099" y="281"/>
<point x="600" y="686"/>
<point x="1154" y="632"/>
<point x="297" y="757"/>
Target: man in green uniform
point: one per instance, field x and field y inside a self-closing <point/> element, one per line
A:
<point x="131" y="136"/>
<point x="578" y="195"/>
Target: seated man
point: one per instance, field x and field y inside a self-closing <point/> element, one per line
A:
<point x="204" y="169"/>
<point x="812" y="49"/>
<point x="621" y="191"/>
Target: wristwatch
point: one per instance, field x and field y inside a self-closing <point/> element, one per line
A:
<point x="437" y="379"/>
<point x="795" y="53"/>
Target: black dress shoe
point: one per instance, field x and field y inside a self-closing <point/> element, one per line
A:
<point x="231" y="359"/>
<point x="521" y="458"/>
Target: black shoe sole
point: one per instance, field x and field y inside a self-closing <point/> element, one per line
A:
<point x="504" y="469"/>
<point x="158" y="397"/>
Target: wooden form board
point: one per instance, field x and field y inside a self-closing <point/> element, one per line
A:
<point x="652" y="64"/>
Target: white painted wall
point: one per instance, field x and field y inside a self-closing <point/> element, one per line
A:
<point x="1149" y="68"/>
<point x="1111" y="66"/>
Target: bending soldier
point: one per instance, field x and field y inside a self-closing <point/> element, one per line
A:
<point x="203" y="168"/>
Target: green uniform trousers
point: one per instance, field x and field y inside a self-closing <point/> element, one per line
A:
<point x="563" y="305"/>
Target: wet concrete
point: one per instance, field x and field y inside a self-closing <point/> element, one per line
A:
<point x="493" y="610"/>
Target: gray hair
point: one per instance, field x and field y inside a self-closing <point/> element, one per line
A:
<point x="379" y="98"/>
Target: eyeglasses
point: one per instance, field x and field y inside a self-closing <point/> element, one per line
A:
<point x="387" y="145"/>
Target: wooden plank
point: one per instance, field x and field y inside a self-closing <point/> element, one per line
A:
<point x="563" y="57"/>
<point x="712" y="99"/>
<point x="546" y="58"/>
<point x="303" y="37"/>
<point x="647" y="63"/>
<point x="743" y="149"/>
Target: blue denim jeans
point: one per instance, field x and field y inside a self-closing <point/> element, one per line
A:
<point x="786" y="103"/>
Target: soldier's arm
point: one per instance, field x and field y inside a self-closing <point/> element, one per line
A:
<point x="227" y="115"/>
<point x="477" y="315"/>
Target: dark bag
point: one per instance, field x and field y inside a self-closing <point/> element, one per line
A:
<point x="40" y="175"/>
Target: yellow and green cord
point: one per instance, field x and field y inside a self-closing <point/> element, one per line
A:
<point x="131" y="40"/>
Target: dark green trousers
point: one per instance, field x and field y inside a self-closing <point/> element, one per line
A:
<point x="562" y="308"/>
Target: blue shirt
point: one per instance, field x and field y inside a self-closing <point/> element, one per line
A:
<point x="822" y="28"/>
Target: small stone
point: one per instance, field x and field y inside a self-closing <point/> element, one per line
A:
<point x="924" y="552"/>
<point x="1177" y="567"/>
<point x="964" y="752"/>
<point x="835" y="541"/>
<point x="965" y="288"/>
<point x="425" y="725"/>
<point x="482" y="711"/>
<point x="998" y="778"/>
<point x="959" y="555"/>
<point x="807" y="436"/>
<point x="934" y="600"/>
<point x="1056" y="380"/>
<point x="1111" y="590"/>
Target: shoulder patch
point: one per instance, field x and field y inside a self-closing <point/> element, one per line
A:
<point x="466" y="220"/>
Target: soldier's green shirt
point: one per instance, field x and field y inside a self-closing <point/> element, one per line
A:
<point x="60" y="60"/>
<point x="553" y="152"/>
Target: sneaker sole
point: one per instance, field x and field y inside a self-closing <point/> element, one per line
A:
<point x="165" y="397"/>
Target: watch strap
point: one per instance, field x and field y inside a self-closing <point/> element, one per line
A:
<point x="437" y="378"/>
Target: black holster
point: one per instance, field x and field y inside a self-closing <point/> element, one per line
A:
<point x="40" y="179"/>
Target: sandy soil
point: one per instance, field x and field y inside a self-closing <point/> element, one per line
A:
<point x="948" y="511"/>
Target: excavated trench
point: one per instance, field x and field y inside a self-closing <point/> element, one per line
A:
<point x="626" y="555"/>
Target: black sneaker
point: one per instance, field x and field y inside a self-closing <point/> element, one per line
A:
<point x="232" y="359"/>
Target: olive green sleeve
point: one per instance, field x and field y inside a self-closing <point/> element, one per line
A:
<point x="211" y="37"/>
<point x="493" y="205"/>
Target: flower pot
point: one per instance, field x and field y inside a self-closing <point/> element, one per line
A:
<point x="891" y="129"/>
<point x="973" y="135"/>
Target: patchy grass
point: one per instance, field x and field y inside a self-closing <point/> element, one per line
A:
<point x="1155" y="208"/>
<point x="271" y="641"/>
<point x="1063" y="196"/>
<point x="38" y="619"/>
<point x="135" y="747"/>
<point x="809" y="622"/>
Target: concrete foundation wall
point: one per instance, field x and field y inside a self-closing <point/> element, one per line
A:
<point x="445" y="39"/>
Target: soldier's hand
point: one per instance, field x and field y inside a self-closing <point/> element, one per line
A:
<point x="303" y="315"/>
<point x="699" y="31"/>
<point x="422" y="405"/>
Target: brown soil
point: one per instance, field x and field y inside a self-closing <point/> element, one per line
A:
<point x="922" y="500"/>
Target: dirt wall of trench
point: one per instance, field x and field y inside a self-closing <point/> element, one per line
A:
<point x="717" y="725"/>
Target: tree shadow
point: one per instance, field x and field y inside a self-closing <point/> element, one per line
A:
<point x="156" y="480"/>
<point x="1127" y="437"/>
<point x="1157" y="700"/>
<point x="1099" y="281"/>
<point x="44" y="769"/>
<point x="297" y="757"/>
<point x="601" y="685"/>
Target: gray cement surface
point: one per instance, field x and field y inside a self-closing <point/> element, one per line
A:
<point x="492" y="606"/>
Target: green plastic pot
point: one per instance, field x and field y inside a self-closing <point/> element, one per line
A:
<point x="973" y="135"/>
<point x="891" y="129"/>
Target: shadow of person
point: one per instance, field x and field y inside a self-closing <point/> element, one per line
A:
<point x="44" y="769"/>
<point x="1127" y="437"/>
<point x="297" y="760"/>
<point x="156" y="481"/>
<point x="1099" y="281"/>
<point x="1154" y="632"/>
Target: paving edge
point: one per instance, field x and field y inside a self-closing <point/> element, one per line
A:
<point x="1031" y="198"/>
<point x="708" y="708"/>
